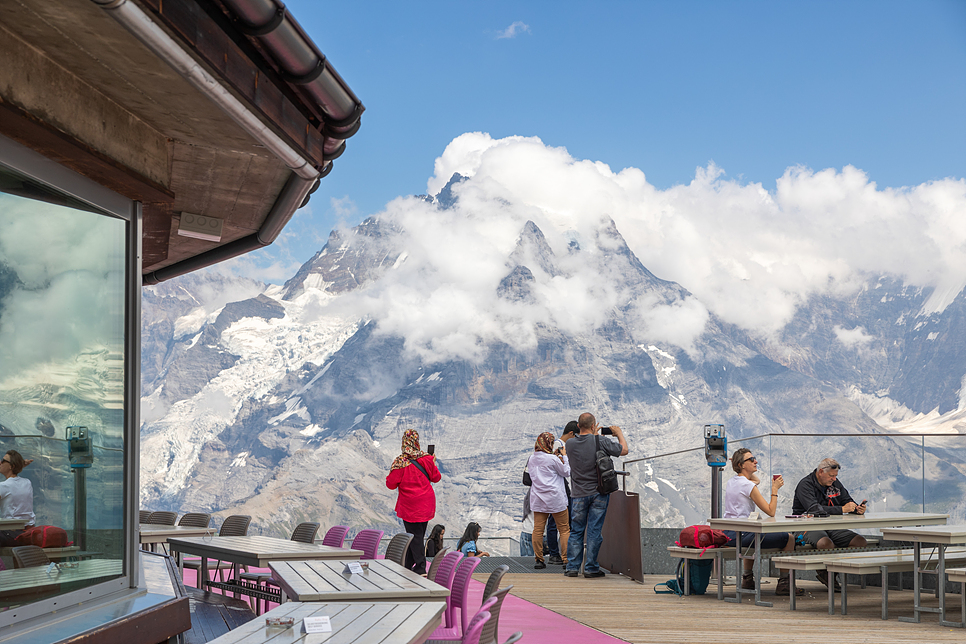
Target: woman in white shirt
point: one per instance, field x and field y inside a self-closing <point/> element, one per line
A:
<point x="548" y="495"/>
<point x="741" y="498"/>
<point x="16" y="496"/>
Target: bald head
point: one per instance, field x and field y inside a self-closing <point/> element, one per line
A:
<point x="586" y="423"/>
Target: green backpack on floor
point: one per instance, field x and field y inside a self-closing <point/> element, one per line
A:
<point x="700" y="578"/>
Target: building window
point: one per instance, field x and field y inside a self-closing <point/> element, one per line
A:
<point x="64" y="267"/>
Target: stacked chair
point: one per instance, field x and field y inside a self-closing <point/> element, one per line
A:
<point x="335" y="536"/>
<point x="162" y="518"/>
<point x="483" y="627"/>
<point x="434" y="564"/>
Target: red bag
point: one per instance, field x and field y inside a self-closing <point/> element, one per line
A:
<point x="45" y="536"/>
<point x="701" y="536"/>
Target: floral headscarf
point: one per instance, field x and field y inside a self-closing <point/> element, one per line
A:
<point x="410" y="450"/>
<point x="544" y="443"/>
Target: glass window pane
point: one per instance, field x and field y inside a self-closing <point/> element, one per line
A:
<point x="62" y="270"/>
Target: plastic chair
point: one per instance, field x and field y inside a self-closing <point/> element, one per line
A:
<point x="335" y="536"/>
<point x="489" y="634"/>
<point x="398" y="545"/>
<point x="475" y="629"/>
<point x="234" y="526"/>
<point x="195" y="520"/>
<point x="434" y="564"/>
<point x="143" y="516"/>
<point x="29" y="556"/>
<point x="493" y="583"/>
<point x="516" y="637"/>
<point x="162" y="518"/>
<point x="445" y="574"/>
<point x="457" y="601"/>
<point x="368" y="542"/>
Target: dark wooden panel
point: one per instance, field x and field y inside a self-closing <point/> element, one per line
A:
<point x="213" y="615"/>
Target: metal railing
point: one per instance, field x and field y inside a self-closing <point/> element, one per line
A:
<point x="894" y="471"/>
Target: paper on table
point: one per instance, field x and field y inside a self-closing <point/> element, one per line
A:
<point x="320" y="624"/>
<point x="353" y="568"/>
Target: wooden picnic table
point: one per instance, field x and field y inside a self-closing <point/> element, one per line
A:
<point x="326" y="580"/>
<point x="151" y="534"/>
<point x="14" y="582"/>
<point x="352" y="623"/>
<point x="942" y="536"/>
<point x="251" y="551"/>
<point x="834" y="522"/>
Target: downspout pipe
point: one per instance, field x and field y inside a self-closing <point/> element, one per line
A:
<point x="301" y="182"/>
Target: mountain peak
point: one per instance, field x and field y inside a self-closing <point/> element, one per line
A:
<point x="532" y="249"/>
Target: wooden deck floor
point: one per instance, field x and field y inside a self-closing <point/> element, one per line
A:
<point x="632" y="612"/>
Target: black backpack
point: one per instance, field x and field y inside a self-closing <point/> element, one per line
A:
<point x="606" y="476"/>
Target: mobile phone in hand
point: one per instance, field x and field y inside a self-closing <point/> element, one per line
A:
<point x="430" y="449"/>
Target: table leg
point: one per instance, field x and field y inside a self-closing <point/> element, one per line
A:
<point x="831" y="592"/>
<point x="845" y="593"/>
<point x="719" y="558"/>
<point x="687" y="577"/>
<point x="885" y="591"/>
<point x="203" y="573"/>
<point x="941" y="584"/>
<point x="235" y="576"/>
<point x="791" y="585"/>
<point x="916" y="577"/>
<point x="739" y="569"/>
<point x="758" y="601"/>
<point x="281" y="596"/>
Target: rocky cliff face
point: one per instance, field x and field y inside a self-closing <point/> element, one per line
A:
<point x="289" y="404"/>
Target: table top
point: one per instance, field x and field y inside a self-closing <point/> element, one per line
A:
<point x="12" y="524"/>
<point x="370" y="622"/>
<point x="150" y="533"/>
<point x="324" y="580"/>
<point x="18" y="579"/>
<point x="258" y="551"/>
<point x="942" y="534"/>
<point x="837" y="522"/>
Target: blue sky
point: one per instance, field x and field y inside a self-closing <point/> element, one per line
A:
<point x="666" y="87"/>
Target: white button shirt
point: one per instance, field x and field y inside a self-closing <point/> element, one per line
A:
<point x="547" y="494"/>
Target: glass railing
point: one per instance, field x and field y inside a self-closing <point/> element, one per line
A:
<point x="894" y="472"/>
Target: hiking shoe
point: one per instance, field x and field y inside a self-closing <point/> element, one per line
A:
<point x="784" y="587"/>
<point x="822" y="576"/>
<point x="594" y="575"/>
<point x="748" y="581"/>
<point x="539" y="565"/>
<point x="571" y="573"/>
<point x="555" y="560"/>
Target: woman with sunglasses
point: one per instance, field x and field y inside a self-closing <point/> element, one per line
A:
<point x="741" y="497"/>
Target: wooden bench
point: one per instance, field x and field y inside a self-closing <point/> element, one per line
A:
<point x="862" y="563"/>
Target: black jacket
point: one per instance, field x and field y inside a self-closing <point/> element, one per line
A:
<point x="810" y="493"/>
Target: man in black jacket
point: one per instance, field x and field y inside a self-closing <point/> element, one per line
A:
<point x="821" y="493"/>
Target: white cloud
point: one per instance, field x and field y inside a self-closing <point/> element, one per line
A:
<point x="514" y="30"/>
<point x="853" y="338"/>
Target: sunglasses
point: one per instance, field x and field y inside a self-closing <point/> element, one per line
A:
<point x="6" y="461"/>
<point x="753" y="459"/>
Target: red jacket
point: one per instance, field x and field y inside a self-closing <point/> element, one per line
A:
<point x="417" y="501"/>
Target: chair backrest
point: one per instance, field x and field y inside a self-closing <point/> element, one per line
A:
<point x="472" y="633"/>
<point x="195" y="520"/>
<point x="235" y="526"/>
<point x="368" y="542"/>
<point x="162" y="518"/>
<point x="335" y="536"/>
<point x="29" y="556"/>
<point x="305" y="532"/>
<point x="398" y="545"/>
<point x="447" y="570"/>
<point x="434" y="564"/>
<point x="493" y="583"/>
<point x="459" y="591"/>
<point x="489" y="634"/>
<point x="143" y="516"/>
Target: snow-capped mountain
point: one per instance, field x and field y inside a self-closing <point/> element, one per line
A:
<point x="288" y="402"/>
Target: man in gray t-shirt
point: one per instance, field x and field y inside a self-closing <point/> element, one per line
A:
<point x="588" y="507"/>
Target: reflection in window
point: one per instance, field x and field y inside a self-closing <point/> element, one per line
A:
<point x="62" y="369"/>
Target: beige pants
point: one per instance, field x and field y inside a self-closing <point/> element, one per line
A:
<point x="562" y="519"/>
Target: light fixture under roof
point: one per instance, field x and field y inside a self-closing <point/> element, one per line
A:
<point x="200" y="227"/>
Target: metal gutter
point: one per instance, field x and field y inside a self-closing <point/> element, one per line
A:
<point x="300" y="184"/>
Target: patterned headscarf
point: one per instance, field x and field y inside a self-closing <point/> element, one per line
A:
<point x="410" y="450"/>
<point x="544" y="443"/>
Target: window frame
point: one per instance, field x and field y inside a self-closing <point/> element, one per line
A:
<point x="46" y="171"/>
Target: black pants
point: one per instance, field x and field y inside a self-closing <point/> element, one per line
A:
<point x="416" y="555"/>
<point x="8" y="538"/>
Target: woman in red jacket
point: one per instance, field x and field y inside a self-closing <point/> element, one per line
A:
<point x="413" y="473"/>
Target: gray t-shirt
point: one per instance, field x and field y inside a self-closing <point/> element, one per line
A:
<point x="581" y="451"/>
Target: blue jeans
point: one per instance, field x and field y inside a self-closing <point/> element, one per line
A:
<point x="587" y="516"/>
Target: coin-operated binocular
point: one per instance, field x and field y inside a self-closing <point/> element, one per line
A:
<point x="80" y="453"/>
<point x="716" y="454"/>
